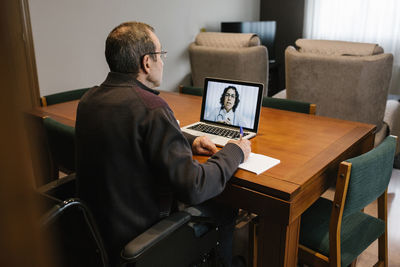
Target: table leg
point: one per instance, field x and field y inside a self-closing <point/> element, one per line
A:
<point x="277" y="244"/>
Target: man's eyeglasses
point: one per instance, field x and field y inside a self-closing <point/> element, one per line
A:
<point x="163" y="54"/>
<point x="230" y="95"/>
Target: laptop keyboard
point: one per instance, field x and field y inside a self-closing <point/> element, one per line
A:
<point x="205" y="128"/>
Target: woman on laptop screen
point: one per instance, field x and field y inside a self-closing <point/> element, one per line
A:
<point x="226" y="105"/>
<point x="229" y="101"/>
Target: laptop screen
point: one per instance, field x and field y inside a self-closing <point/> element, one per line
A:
<point x="233" y="103"/>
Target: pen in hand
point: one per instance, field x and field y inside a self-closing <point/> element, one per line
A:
<point x="241" y="133"/>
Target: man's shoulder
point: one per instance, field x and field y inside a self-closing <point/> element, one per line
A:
<point x="150" y="100"/>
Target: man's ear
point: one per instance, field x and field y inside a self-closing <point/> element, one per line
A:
<point x="146" y="64"/>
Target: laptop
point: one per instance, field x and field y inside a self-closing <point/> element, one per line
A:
<point x="228" y="105"/>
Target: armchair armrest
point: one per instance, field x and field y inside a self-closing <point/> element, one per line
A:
<point x="392" y="118"/>
<point x="161" y="230"/>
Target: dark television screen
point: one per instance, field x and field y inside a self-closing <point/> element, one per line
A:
<point x="264" y="29"/>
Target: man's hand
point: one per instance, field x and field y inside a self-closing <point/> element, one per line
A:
<point x="245" y="145"/>
<point x="202" y="145"/>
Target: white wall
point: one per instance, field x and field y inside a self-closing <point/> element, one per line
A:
<point x="69" y="36"/>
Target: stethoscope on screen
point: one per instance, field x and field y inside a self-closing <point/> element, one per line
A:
<point x="220" y="117"/>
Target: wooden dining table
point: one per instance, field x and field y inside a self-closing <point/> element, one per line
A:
<point x="309" y="148"/>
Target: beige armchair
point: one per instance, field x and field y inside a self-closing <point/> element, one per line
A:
<point x="346" y="80"/>
<point x="236" y="56"/>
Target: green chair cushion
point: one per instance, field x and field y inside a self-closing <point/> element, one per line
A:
<point x="358" y="231"/>
<point x="370" y="175"/>
<point x="65" y="96"/>
<point x="192" y="90"/>
<point x="286" y="104"/>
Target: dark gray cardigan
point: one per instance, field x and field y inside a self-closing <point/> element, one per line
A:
<point x="131" y="154"/>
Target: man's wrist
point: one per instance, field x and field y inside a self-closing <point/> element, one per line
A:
<point x="235" y="151"/>
<point x="190" y="138"/>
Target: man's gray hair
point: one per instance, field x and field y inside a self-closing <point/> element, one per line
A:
<point x="127" y="44"/>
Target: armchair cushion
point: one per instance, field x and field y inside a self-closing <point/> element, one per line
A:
<point x="227" y="40"/>
<point x="338" y="48"/>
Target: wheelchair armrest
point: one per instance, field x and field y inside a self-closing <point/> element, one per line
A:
<point x="145" y="241"/>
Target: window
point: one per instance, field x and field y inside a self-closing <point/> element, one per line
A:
<point x="370" y="21"/>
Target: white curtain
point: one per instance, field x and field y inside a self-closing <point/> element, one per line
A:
<point x="370" y="21"/>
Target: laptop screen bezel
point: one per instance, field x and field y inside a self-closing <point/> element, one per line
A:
<point x="260" y="87"/>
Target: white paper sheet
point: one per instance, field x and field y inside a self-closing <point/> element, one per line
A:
<point x="258" y="163"/>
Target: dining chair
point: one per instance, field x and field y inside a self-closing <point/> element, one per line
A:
<point x="190" y="90"/>
<point x="289" y="105"/>
<point x="335" y="233"/>
<point x="61" y="143"/>
<point x="62" y="97"/>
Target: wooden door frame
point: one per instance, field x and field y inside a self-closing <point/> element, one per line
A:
<point x="26" y="28"/>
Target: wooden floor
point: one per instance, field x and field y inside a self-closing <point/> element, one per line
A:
<point x="370" y="255"/>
